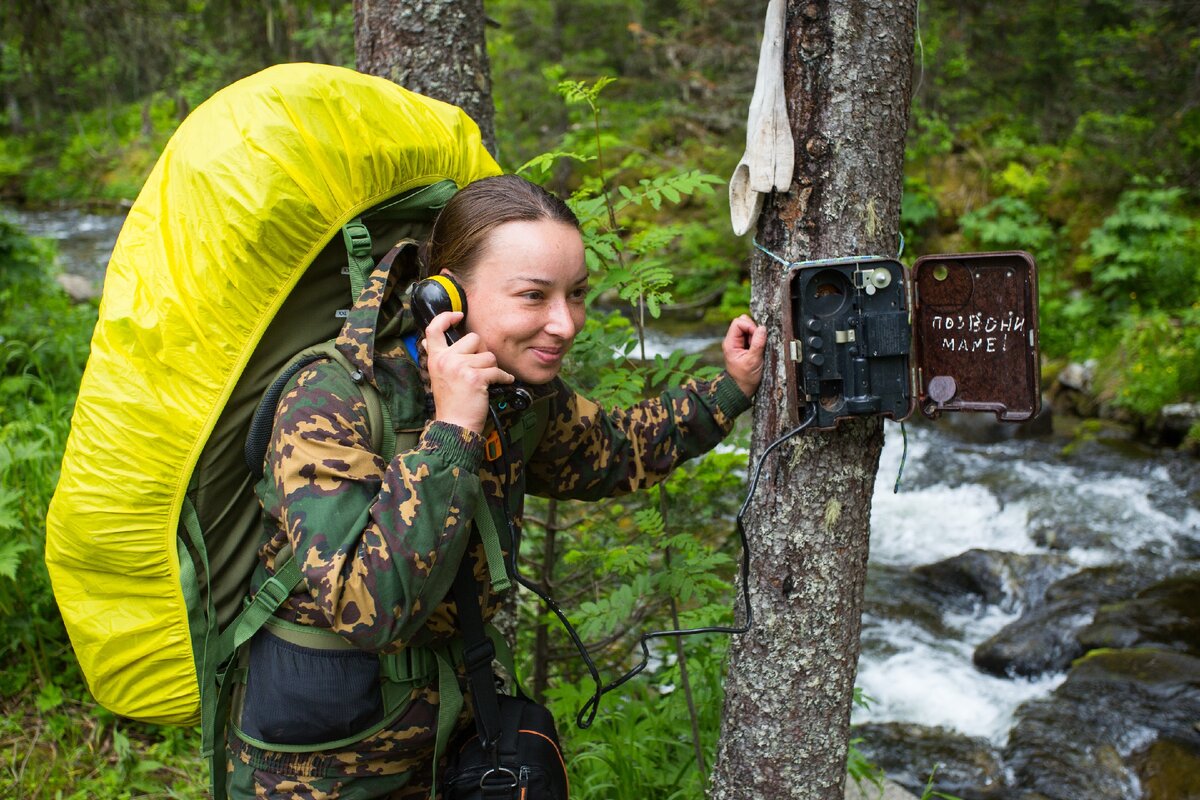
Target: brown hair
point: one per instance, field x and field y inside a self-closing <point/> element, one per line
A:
<point x="462" y="229"/>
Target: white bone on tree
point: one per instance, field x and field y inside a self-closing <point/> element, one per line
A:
<point x="769" y="159"/>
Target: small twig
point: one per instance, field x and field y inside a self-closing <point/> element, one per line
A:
<point x="20" y="776"/>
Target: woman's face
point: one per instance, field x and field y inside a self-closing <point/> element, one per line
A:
<point x="525" y="296"/>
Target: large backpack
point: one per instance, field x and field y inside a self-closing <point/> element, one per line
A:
<point x="271" y="199"/>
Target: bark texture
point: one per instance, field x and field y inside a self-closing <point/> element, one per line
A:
<point x="785" y="725"/>
<point x="434" y="47"/>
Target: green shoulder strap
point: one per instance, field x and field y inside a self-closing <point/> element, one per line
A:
<point x="359" y="263"/>
<point x="218" y="663"/>
<point x="529" y="429"/>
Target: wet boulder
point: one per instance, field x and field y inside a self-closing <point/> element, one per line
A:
<point x="986" y="429"/>
<point x="1105" y="584"/>
<point x="1174" y="422"/>
<point x="1094" y="734"/>
<point x="1008" y="580"/>
<point x="869" y="791"/>
<point x="965" y="766"/>
<point x="1071" y="391"/>
<point x="1166" y="614"/>
<point x="1046" y="638"/>
<point x="1041" y="641"/>
<point x="1062" y="535"/>
<point x="1169" y="770"/>
<point x="78" y="288"/>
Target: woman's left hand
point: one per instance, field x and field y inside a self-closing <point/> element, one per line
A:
<point x="744" y="344"/>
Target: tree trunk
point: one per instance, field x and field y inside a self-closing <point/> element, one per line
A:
<point x="541" y="643"/>
<point x="785" y="726"/>
<point x="435" y="47"/>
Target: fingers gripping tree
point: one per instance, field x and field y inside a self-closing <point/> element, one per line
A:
<point x="435" y="47"/>
<point x="785" y="726"/>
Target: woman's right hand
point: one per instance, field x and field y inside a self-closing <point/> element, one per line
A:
<point x="460" y="374"/>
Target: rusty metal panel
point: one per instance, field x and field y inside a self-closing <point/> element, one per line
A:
<point x="976" y="334"/>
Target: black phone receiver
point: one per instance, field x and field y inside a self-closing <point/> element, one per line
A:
<point x="435" y="295"/>
<point x="440" y="293"/>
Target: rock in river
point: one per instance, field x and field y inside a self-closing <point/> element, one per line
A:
<point x="1165" y="615"/>
<point x="1046" y="638"/>
<point x="965" y="766"/>
<point x="1103" y="733"/>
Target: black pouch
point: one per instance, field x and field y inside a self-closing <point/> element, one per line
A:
<point x="299" y="695"/>
<point x="529" y="765"/>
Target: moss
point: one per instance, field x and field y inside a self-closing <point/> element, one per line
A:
<point x="1141" y="665"/>
<point x="1169" y="770"/>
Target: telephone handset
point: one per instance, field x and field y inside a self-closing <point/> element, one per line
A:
<point x="439" y="293"/>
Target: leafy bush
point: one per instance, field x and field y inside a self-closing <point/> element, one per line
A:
<point x="1153" y="363"/>
<point x="1011" y="223"/>
<point x="61" y="743"/>
<point x="918" y="212"/>
<point x="105" y="155"/>
<point x="1146" y="253"/>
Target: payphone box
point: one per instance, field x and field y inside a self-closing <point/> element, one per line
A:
<point x="957" y="332"/>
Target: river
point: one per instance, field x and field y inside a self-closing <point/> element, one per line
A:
<point x="84" y="241"/>
<point x="1085" y="504"/>
<point x="956" y="495"/>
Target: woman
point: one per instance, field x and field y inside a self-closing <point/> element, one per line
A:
<point x="379" y="543"/>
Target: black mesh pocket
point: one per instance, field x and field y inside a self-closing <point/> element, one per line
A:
<point x="299" y="695"/>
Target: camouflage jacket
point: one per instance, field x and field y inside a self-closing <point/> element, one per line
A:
<point x="379" y="543"/>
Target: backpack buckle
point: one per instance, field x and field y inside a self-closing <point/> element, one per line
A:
<point x="501" y="785"/>
<point x="479" y="655"/>
<point x="357" y="239"/>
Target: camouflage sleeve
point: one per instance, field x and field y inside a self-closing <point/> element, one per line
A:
<point x="587" y="453"/>
<point x="378" y="544"/>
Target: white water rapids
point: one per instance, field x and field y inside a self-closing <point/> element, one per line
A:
<point x="956" y="496"/>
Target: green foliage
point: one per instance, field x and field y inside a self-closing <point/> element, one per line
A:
<point x="628" y="253"/>
<point x="1153" y="363"/>
<point x="92" y="89"/>
<point x="859" y="767"/>
<point x="735" y="300"/>
<point x="106" y="154"/>
<point x="929" y="135"/>
<point x="43" y="344"/>
<point x="1147" y="252"/>
<point x="1008" y="223"/>
<point x="918" y="212"/>
<point x="1191" y="440"/>
<point x="16" y="155"/>
<point x="79" y="752"/>
<point x="637" y="747"/>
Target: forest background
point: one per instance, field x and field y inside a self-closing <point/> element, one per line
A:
<point x="1071" y="130"/>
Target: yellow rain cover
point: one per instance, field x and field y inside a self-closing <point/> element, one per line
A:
<point x="246" y="193"/>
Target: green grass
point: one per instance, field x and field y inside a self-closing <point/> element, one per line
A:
<point x="78" y="751"/>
